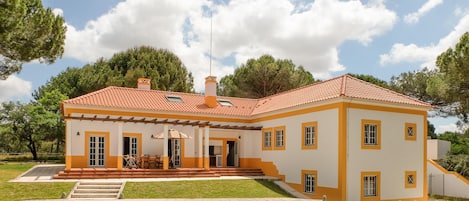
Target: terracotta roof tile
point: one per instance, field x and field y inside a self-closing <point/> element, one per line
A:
<point x="130" y="98"/>
<point x="152" y="100"/>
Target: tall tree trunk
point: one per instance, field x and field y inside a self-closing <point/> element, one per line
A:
<point x="32" y="147"/>
<point x="57" y="147"/>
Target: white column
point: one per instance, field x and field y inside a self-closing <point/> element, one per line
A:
<point x="200" y="145"/>
<point x="165" y="147"/>
<point x="68" y="144"/>
<point x="206" y="150"/>
<point x="119" y="145"/>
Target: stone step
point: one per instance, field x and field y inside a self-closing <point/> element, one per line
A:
<point x="93" y="195"/>
<point x="96" y="191"/>
<point x="156" y="173"/>
<point x="95" y="186"/>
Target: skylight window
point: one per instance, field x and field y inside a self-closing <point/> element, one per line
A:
<point x="225" y="103"/>
<point x="174" y="99"/>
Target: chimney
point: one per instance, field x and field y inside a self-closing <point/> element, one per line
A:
<point x="144" y="83"/>
<point x="211" y="91"/>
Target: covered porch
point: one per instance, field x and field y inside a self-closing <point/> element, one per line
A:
<point x="111" y="140"/>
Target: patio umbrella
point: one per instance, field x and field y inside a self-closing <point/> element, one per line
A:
<point x="172" y="134"/>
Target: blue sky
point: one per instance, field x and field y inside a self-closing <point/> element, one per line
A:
<point x="328" y="37"/>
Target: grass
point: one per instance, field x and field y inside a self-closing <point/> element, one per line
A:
<point x="439" y="198"/>
<point x="204" y="189"/>
<point x="24" y="191"/>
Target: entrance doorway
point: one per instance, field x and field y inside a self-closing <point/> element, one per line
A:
<point x="174" y="152"/>
<point x="96" y="151"/>
<point x="232" y="154"/>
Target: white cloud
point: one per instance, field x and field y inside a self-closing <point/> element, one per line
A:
<point x="14" y="88"/>
<point x="309" y="34"/>
<point x="426" y="55"/>
<point x="58" y="11"/>
<point x="414" y="17"/>
<point x="448" y="127"/>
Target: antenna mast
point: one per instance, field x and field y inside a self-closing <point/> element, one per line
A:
<point x="211" y="13"/>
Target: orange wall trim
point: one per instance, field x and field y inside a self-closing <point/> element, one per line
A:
<point x="449" y="172"/>
<point x="189" y="162"/>
<point x="268" y="168"/>
<point x="79" y="161"/>
<point x="68" y="162"/>
<point x="331" y="193"/>
<point x="408" y="199"/>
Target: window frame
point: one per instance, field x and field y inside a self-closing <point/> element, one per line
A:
<point x="284" y="138"/>
<point x="407" y="174"/>
<point x="314" y="173"/>
<point x="406" y="131"/>
<point x="264" y="130"/>
<point x="314" y="145"/>
<point x="224" y="102"/>
<point x="377" y="185"/>
<point x="378" y="134"/>
<point x="174" y="98"/>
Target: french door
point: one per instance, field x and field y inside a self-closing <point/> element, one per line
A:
<point x="96" y="151"/>
<point x="175" y="151"/>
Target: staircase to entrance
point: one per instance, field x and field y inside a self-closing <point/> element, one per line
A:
<point x="97" y="189"/>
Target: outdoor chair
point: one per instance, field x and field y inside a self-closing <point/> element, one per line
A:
<point x="144" y="162"/>
<point x="152" y="161"/>
<point x="130" y="162"/>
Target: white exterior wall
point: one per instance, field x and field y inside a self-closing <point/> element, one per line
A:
<point x="394" y="158"/>
<point x="149" y="145"/>
<point x="437" y="149"/>
<point x="248" y="144"/>
<point x="446" y="183"/>
<point x="293" y="159"/>
<point x="248" y="141"/>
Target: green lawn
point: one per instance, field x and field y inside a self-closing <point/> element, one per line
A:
<point x="204" y="189"/>
<point x="170" y="189"/>
<point x="24" y="191"/>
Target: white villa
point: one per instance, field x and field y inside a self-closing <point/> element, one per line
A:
<point x="344" y="138"/>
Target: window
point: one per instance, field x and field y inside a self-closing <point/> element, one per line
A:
<point x="309" y="135"/>
<point x="410" y="179"/>
<point x="371" y="134"/>
<point x="370" y="185"/>
<point x="225" y="102"/>
<point x="279" y="138"/>
<point x="174" y="99"/>
<point x="267" y="139"/>
<point x="309" y="180"/>
<point x="410" y="131"/>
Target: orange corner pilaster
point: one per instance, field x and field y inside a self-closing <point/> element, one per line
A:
<point x="207" y="163"/>
<point x="119" y="162"/>
<point x="165" y="163"/>
<point x="68" y="162"/>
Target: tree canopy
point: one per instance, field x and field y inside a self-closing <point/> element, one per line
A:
<point x="165" y="69"/>
<point x="30" y="125"/>
<point x="263" y="77"/>
<point x="451" y="84"/>
<point x="414" y="84"/>
<point x="28" y="31"/>
<point x="371" y="79"/>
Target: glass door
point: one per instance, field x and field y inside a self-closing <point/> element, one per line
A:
<point x="96" y="151"/>
<point x="176" y="152"/>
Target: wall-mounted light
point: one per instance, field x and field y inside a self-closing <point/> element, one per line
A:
<point x="78" y="133"/>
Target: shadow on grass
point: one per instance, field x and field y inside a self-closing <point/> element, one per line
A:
<point x="274" y="187"/>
